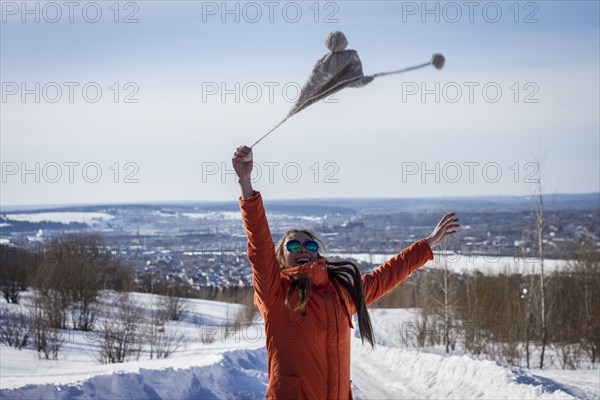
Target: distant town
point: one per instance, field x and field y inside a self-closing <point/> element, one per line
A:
<point x="204" y="244"/>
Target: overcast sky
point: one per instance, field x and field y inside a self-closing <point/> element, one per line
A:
<point x="147" y="100"/>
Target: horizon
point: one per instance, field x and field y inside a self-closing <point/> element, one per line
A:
<point x="15" y="208"/>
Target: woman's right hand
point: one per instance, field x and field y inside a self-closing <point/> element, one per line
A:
<point x="242" y="162"/>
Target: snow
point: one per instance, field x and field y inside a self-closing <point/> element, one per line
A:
<point x="234" y="366"/>
<point x="463" y="263"/>
<point x="230" y="375"/>
<point x="411" y="374"/>
<point x="585" y="384"/>
<point x="63" y="217"/>
<point x="214" y="215"/>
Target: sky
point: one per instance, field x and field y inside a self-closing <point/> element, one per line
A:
<point x="145" y="101"/>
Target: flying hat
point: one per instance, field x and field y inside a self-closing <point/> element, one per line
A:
<point x="338" y="69"/>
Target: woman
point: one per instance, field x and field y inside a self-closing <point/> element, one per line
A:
<point x="307" y="303"/>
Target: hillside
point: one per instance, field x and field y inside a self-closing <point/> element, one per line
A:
<point x="233" y="366"/>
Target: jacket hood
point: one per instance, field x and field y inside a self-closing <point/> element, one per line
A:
<point x="315" y="270"/>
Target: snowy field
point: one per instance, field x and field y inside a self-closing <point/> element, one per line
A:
<point x="233" y="366"/>
<point x="465" y="263"/>
<point x="66" y="217"/>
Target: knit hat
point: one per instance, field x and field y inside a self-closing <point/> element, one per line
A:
<point x="338" y="69"/>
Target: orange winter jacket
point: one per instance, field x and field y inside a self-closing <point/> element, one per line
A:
<point x="308" y="351"/>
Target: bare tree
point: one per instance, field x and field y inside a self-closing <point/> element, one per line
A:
<point x="16" y="263"/>
<point x="439" y="303"/>
<point x="71" y="272"/>
<point x="540" y="227"/>
<point x="423" y="292"/>
<point x="15" y="329"/>
<point x="48" y="338"/>
<point x="172" y="307"/>
<point x="446" y="305"/>
<point x="586" y="269"/>
<point x="164" y="339"/>
<point x="247" y="313"/>
<point x="51" y="281"/>
<point x="120" y="336"/>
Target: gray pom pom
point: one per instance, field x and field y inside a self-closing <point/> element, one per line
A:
<point x="336" y="41"/>
<point x="438" y="60"/>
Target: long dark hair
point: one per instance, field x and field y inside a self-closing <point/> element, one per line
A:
<point x="346" y="273"/>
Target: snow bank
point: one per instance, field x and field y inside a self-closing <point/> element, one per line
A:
<point x="238" y="374"/>
<point x="392" y="373"/>
<point x="383" y="373"/>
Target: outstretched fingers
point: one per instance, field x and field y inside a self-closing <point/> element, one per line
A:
<point x="448" y="224"/>
<point x="448" y="217"/>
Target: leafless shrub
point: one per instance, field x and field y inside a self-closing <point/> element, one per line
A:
<point x="208" y="333"/>
<point x="247" y="313"/>
<point x="171" y="307"/>
<point x="15" y="329"/>
<point x="48" y="339"/>
<point x="422" y="331"/>
<point x="70" y="273"/>
<point x="15" y="267"/>
<point x="574" y="319"/>
<point x="163" y="339"/>
<point x="83" y="314"/>
<point x="207" y="337"/>
<point x="119" y="334"/>
<point x="167" y="340"/>
<point x="570" y="355"/>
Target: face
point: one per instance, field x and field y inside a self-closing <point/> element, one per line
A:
<point x="301" y="256"/>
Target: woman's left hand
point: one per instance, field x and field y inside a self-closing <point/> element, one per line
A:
<point x="444" y="228"/>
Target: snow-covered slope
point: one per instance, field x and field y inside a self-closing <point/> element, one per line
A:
<point x="234" y="368"/>
<point x="237" y="374"/>
<point x="383" y="373"/>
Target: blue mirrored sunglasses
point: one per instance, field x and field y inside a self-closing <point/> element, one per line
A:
<point x="294" y="245"/>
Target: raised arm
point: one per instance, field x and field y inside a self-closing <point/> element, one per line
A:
<point x="389" y="275"/>
<point x="261" y="251"/>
